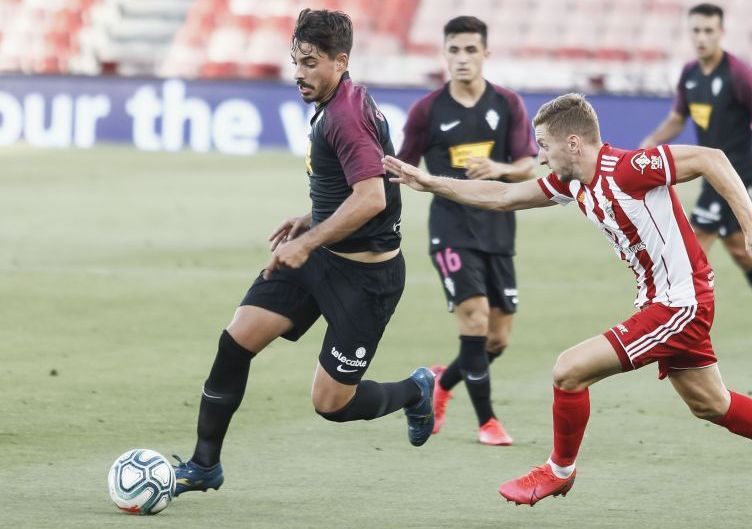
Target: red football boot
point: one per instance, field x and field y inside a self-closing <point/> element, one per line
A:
<point x="493" y="433"/>
<point x="440" y="398"/>
<point x="538" y="484"/>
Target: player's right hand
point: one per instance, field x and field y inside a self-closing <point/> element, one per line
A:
<point x="288" y="230"/>
<point x="406" y="174"/>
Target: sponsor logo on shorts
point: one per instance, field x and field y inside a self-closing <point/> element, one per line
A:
<point x="349" y="362"/>
<point x="622" y="328"/>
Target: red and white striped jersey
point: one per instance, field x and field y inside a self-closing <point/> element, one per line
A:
<point x="632" y="201"/>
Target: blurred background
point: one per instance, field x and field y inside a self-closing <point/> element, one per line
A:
<point x="237" y="50"/>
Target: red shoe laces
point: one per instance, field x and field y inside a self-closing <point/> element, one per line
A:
<point x="537" y="475"/>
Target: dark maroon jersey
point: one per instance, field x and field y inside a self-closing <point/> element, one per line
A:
<point x="720" y="105"/>
<point x="446" y="134"/>
<point x="349" y="137"/>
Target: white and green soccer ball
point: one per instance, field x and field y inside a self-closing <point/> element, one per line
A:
<point x="141" y="481"/>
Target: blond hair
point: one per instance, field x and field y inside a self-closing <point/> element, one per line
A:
<point x="569" y="114"/>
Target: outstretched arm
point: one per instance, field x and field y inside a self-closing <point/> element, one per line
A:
<point x="497" y="196"/>
<point x="692" y="161"/>
<point x="487" y="169"/>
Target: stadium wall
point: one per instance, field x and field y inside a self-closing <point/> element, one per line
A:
<point x="227" y="116"/>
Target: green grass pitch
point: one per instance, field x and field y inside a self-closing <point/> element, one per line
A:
<point x="118" y="270"/>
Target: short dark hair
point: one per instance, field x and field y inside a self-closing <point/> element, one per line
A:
<point x="708" y="10"/>
<point x="467" y="24"/>
<point x="330" y="32"/>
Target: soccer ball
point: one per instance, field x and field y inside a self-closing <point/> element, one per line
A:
<point x="141" y="481"/>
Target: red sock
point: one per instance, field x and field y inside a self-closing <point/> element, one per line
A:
<point x="738" y="418"/>
<point x="571" y="414"/>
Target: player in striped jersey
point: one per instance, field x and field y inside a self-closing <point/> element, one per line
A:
<point x="629" y="196"/>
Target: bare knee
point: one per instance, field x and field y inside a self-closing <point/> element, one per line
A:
<point x="327" y="399"/>
<point x="567" y="375"/>
<point x="707" y="408"/>
<point x="496" y="343"/>
<point x="326" y="402"/>
<point x="473" y="318"/>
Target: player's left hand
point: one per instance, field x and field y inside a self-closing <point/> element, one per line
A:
<point x="291" y="254"/>
<point x="484" y="169"/>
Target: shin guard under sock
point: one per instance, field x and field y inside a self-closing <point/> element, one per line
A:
<point x="222" y="394"/>
<point x="375" y="399"/>
<point x="571" y="410"/>
<point x="473" y="362"/>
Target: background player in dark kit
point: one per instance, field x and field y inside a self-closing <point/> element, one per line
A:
<point x="342" y="260"/>
<point x="472" y="129"/>
<point x="715" y="91"/>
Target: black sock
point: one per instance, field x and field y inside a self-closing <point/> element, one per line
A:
<point x="474" y="368"/>
<point x="451" y="376"/>
<point x="493" y="355"/>
<point x="375" y="399"/>
<point x="749" y="277"/>
<point x="223" y="392"/>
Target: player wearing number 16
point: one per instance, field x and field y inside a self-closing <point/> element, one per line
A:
<point x="472" y="129"/>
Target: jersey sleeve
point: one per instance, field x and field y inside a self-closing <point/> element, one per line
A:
<point x="680" y="99"/>
<point x="520" y="142"/>
<point x="644" y="169"/>
<point x="354" y="137"/>
<point x="556" y="190"/>
<point x="741" y="81"/>
<point x="416" y="133"/>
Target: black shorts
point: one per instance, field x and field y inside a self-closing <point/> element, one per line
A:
<point x="465" y="273"/>
<point x="356" y="300"/>
<point x="713" y="214"/>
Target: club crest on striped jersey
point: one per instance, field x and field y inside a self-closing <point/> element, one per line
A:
<point x="492" y="117"/>
<point x="640" y="161"/>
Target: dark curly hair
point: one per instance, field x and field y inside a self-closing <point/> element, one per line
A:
<point x="330" y="32"/>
